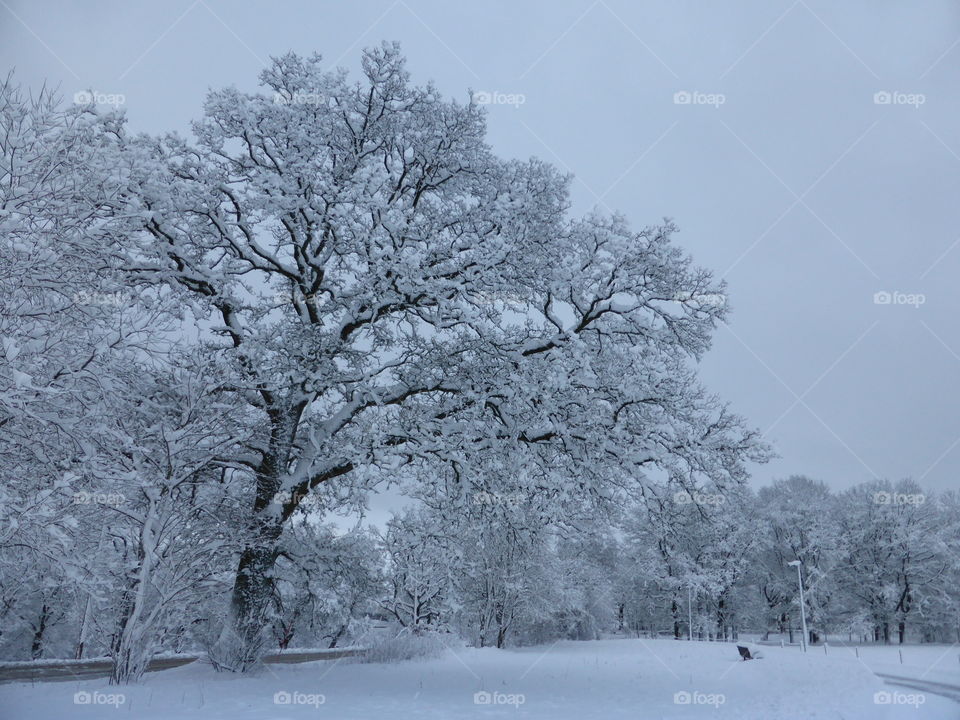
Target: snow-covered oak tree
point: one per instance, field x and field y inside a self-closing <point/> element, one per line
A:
<point x="895" y="554"/>
<point x="799" y="518"/>
<point x="498" y="579"/>
<point x="382" y="290"/>
<point x="420" y="557"/>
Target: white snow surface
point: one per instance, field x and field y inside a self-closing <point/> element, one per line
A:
<point x="608" y="679"/>
<point x="936" y="663"/>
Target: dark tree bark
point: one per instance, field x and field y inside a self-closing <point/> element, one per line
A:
<point x="39" y="629"/>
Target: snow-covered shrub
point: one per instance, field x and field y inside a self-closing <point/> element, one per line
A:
<point x="408" y="645"/>
<point x="326" y="583"/>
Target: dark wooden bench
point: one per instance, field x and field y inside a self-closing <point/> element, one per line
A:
<point x="745" y="652"/>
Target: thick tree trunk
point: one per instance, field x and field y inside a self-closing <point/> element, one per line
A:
<point x="132" y="646"/>
<point x="336" y="637"/>
<point x="36" y="647"/>
<point x="721" y="620"/>
<point x="285" y="637"/>
<point x="482" y="637"/>
<point x="245" y="635"/>
<point x="250" y="602"/>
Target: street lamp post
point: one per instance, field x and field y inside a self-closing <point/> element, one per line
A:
<point x="803" y="614"/>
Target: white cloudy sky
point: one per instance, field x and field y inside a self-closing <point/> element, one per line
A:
<point x="803" y="192"/>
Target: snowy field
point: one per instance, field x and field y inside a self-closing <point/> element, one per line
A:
<point x="604" y="679"/>
<point x="935" y="662"/>
<point x="932" y="662"/>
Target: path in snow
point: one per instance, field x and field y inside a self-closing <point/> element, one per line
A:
<point x="66" y="670"/>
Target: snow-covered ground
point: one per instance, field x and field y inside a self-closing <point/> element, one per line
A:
<point x="935" y="662"/>
<point x="938" y="663"/>
<point x="605" y="679"/>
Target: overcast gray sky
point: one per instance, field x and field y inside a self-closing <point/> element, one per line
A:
<point x="785" y="171"/>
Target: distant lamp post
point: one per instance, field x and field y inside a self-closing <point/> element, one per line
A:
<point x="803" y="614"/>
